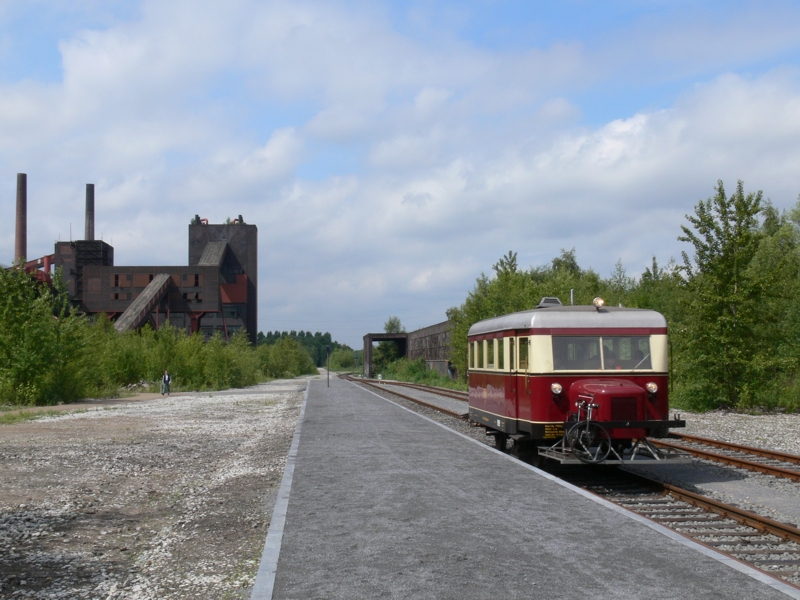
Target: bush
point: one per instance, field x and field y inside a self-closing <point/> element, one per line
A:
<point x="285" y="358"/>
<point x="49" y="354"/>
<point x="416" y="371"/>
<point x="343" y="359"/>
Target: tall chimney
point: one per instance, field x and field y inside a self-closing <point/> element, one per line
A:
<point x="89" y="234"/>
<point x="21" y="241"/>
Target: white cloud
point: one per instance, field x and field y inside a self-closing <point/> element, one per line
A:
<point x="454" y="153"/>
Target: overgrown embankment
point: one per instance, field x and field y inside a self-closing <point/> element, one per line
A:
<point x="51" y="354"/>
<point x="415" y="371"/>
<point x="732" y="304"/>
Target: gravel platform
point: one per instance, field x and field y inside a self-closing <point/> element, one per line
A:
<point x="766" y="495"/>
<point x="169" y="498"/>
<point x="385" y="504"/>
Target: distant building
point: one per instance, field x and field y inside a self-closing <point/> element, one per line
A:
<point x="429" y="343"/>
<point x="216" y="293"/>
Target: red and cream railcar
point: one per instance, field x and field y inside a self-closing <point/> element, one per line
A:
<point x="536" y="373"/>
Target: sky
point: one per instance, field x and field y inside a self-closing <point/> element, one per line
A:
<point x="391" y="152"/>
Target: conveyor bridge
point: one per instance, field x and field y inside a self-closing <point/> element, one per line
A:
<point x="139" y="310"/>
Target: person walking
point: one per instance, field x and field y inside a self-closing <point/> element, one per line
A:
<point x="165" y="381"/>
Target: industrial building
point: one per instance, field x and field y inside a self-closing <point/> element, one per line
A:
<point x="216" y="292"/>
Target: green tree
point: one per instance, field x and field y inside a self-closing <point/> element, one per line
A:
<point x="720" y="353"/>
<point x="343" y="359"/>
<point x="42" y="344"/>
<point x="285" y="358"/>
<point x="393" y="325"/>
<point x="507" y="265"/>
<point x="387" y="351"/>
<point x="512" y="289"/>
<point x="620" y="285"/>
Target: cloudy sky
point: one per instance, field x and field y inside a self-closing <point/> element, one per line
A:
<point x="390" y="152"/>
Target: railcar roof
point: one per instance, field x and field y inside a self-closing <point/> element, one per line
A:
<point x="566" y="317"/>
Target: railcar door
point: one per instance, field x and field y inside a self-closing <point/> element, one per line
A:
<point x="523" y="381"/>
<point x="512" y="370"/>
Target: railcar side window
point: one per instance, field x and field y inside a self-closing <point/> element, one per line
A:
<point x="471" y="355"/>
<point x="501" y="353"/>
<point x="512" y="344"/>
<point x="481" y="348"/>
<point x="626" y="352"/>
<point x="594" y="353"/>
<point x="523" y="354"/>
<point x="576" y="353"/>
<point x="490" y="344"/>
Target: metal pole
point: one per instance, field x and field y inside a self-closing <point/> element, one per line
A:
<point x="328" y="349"/>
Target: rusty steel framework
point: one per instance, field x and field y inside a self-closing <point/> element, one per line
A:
<point x="215" y="293"/>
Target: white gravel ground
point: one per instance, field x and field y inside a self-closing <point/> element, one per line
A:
<point x="779" y="432"/>
<point x="169" y="498"/>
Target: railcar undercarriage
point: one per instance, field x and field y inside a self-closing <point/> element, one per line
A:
<point x="588" y="443"/>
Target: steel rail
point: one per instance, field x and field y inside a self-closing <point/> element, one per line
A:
<point x="775" y="471"/>
<point x="464" y="396"/>
<point x="740" y="515"/>
<point x="763" y="525"/>
<point x="380" y="386"/>
<point x="784" y="456"/>
<point x="731" y="460"/>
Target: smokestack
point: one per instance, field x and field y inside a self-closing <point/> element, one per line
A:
<point x="89" y="233"/>
<point x="21" y="241"/>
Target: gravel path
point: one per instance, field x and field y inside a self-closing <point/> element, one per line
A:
<point x="165" y="499"/>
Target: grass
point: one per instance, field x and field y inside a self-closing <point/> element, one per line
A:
<point x="20" y="416"/>
<point x="416" y="372"/>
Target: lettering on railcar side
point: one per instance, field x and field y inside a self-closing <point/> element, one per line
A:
<point x="553" y="430"/>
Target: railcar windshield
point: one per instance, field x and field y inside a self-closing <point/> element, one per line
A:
<point x="601" y="353"/>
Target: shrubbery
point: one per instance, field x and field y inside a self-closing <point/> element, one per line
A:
<point x="49" y="354"/>
<point x="733" y="306"/>
<point x="343" y="359"/>
<point x="416" y="371"/>
<point x="285" y="358"/>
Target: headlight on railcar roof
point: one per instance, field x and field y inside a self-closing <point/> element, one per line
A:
<point x="598" y="302"/>
<point x="651" y="387"/>
<point x="556" y="388"/>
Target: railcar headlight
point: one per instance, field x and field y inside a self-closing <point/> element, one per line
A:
<point x="651" y="387"/>
<point x="556" y="388"/>
<point x="598" y="302"/>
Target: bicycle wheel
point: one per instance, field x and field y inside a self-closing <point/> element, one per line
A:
<point x="589" y="442"/>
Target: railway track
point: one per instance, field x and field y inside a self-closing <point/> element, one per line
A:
<point x="763" y="543"/>
<point x="386" y="386"/>
<point x="778" y="464"/>
<point x="448" y="393"/>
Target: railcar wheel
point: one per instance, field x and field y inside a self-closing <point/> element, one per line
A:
<point x="527" y="451"/>
<point x="501" y="441"/>
<point x="589" y="442"/>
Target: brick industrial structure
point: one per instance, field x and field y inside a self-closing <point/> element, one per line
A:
<point x="431" y="343"/>
<point x="215" y="292"/>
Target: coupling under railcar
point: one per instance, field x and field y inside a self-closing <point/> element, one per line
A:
<point x="573" y="383"/>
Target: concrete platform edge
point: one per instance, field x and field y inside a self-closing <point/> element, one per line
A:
<point x="772" y="582"/>
<point x="265" y="578"/>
